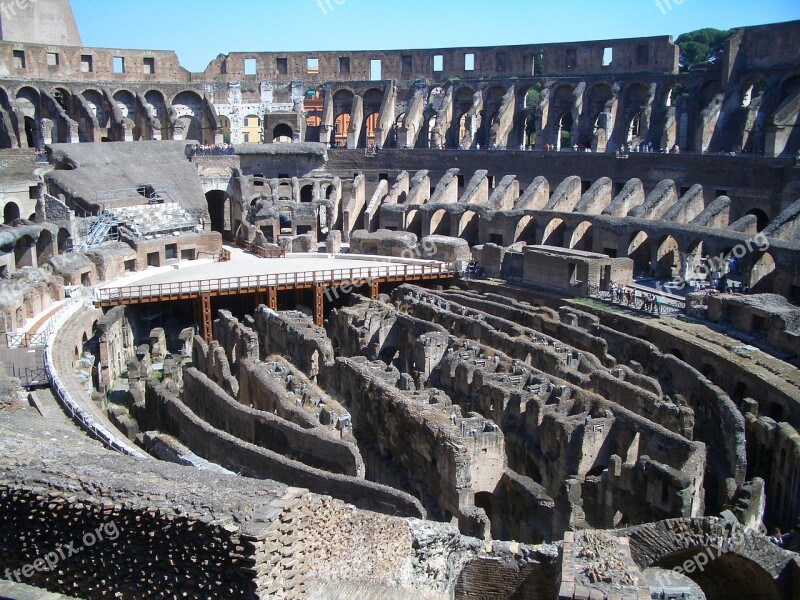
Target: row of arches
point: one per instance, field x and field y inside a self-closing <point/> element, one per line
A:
<point x="92" y="115"/>
<point x="662" y="256"/>
<point x="33" y="251"/>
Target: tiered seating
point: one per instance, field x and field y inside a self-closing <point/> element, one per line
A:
<point x="155" y="219"/>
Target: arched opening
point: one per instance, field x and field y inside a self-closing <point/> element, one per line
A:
<point x="28" y="105"/>
<point x="530" y="132"/>
<point x="32" y="136"/>
<point x="370" y="129"/>
<point x="329" y="192"/>
<point x="64" y="240"/>
<point x="436" y="98"/>
<point x="639" y="251"/>
<point x="752" y="91"/>
<point x="373" y="100"/>
<point x="44" y="247"/>
<point x="282" y="134"/>
<point x="762" y="274"/>
<point x="285" y="192"/>
<point x="554" y="233"/>
<point x="740" y="392"/>
<point x="724" y="574"/>
<point x="697" y="269"/>
<point x="790" y="87"/>
<point x="158" y="110"/>
<point x="10" y="213"/>
<point x="440" y="223"/>
<point x="564" y="131"/>
<point x="286" y="220"/>
<point x="434" y="140"/>
<point x="399" y="123"/>
<point x="341" y="127"/>
<point x="532" y="97"/>
<point x="23" y="252"/>
<point x="762" y="219"/>
<point x="126" y="102"/>
<point x="225" y="127"/>
<point x="708" y="371"/>
<point x="188" y="107"/>
<point x="525" y="230"/>
<point x="64" y="99"/>
<point x="219" y="207"/>
<point x="582" y="237"/>
<point x="307" y="193"/>
<point x="462" y="105"/>
<point x="93" y="111"/>
<point x="634" y="129"/>
<point x="342" y="108"/>
<point x="468" y="227"/>
<point x="668" y="258"/>
<point x="597" y="100"/>
<point x="388" y="354"/>
<point x="414" y="222"/>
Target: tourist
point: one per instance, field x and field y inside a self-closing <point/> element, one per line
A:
<point x="776" y="537"/>
<point x="659" y="303"/>
<point x="791" y="541"/>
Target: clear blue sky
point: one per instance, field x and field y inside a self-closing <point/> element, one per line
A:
<point x="199" y="30"/>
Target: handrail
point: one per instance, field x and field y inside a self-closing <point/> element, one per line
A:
<point x="253" y="282"/>
<point x="73" y="408"/>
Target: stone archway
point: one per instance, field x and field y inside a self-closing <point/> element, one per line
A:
<point x="723" y="558"/>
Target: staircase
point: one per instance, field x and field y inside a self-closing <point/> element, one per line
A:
<point x="99" y="231"/>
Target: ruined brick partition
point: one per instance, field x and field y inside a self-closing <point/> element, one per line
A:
<point x="154" y="548"/>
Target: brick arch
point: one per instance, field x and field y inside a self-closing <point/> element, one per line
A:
<point x="655" y="544"/>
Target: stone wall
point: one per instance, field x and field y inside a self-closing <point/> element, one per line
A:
<point x="449" y="458"/>
<point x="125" y="539"/>
<point x="115" y="335"/>
<point x="294" y="336"/>
<point x="165" y="412"/>
<point x="314" y="447"/>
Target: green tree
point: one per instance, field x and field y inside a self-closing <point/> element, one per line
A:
<point x="701" y="46"/>
<point x="533" y="96"/>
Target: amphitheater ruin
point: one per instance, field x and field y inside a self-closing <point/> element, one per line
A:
<point x="517" y="322"/>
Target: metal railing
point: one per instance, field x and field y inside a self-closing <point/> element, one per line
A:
<point x="247" y="283"/>
<point x="26" y="339"/>
<point x="123" y="193"/>
<point x="60" y="391"/>
<point x="250" y="247"/>
<point x="668" y="307"/>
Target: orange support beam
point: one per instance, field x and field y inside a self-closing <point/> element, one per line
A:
<point x="373" y="289"/>
<point x="272" y="295"/>
<point x="319" y="305"/>
<point x="203" y="307"/>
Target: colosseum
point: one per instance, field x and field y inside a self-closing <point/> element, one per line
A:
<point x="474" y="323"/>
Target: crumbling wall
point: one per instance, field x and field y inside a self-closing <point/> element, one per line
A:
<point x="314" y="447"/>
<point x="115" y="335"/>
<point x="165" y="412"/>
<point x="293" y="335"/>
<point x="129" y="539"/>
